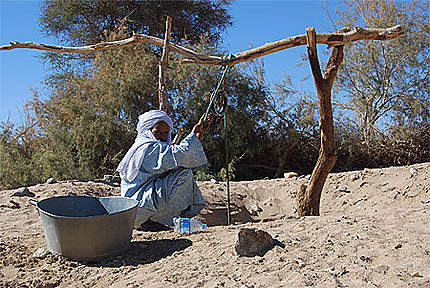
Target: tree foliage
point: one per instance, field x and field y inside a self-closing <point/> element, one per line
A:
<point x="88" y="122"/>
<point x="386" y="83"/>
<point x="80" y="22"/>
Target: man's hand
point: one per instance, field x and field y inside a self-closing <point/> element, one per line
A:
<point x="201" y="126"/>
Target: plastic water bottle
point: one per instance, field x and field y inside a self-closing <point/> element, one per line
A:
<point x="187" y="225"/>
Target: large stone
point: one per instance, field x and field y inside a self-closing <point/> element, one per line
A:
<point x="252" y="242"/>
<point x="23" y="191"/>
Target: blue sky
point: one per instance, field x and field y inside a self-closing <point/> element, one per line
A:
<point x="256" y="22"/>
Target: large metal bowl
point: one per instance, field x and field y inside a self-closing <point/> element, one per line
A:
<point x="84" y="228"/>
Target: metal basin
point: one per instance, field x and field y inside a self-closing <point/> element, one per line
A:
<point x="84" y="228"/>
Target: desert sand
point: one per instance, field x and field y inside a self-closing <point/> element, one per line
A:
<point x="374" y="231"/>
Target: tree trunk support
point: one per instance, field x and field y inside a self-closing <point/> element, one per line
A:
<point x="308" y="198"/>
<point x="162" y="68"/>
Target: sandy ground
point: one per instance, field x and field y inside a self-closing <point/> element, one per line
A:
<point x="374" y="231"/>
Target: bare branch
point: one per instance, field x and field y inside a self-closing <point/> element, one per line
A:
<point x="341" y="37"/>
<point x="333" y="65"/>
<point x="313" y="57"/>
<point x="162" y="68"/>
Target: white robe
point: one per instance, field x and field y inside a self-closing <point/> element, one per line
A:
<point x="164" y="184"/>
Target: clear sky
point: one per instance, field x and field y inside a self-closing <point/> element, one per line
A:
<point x="256" y="22"/>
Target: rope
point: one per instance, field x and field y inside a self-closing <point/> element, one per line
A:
<point x="215" y="93"/>
<point x="222" y="112"/>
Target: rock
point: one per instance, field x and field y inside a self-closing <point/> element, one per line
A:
<point x="398" y="246"/>
<point x="112" y="179"/>
<point x="365" y="258"/>
<point x="300" y="263"/>
<point x="255" y="209"/>
<point x="12" y="205"/>
<point x="41" y="253"/>
<point x="354" y="177"/>
<point x="344" y="189"/>
<point x="51" y="181"/>
<point x="290" y="175"/>
<point x="252" y="242"/>
<point x="23" y="191"/>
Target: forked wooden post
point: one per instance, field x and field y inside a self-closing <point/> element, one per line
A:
<point x="308" y="198"/>
<point x="162" y="68"/>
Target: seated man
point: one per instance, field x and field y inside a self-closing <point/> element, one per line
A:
<point x="159" y="174"/>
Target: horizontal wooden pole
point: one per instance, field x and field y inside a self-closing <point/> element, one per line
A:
<point x="341" y="37"/>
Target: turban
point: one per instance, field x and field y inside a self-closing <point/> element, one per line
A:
<point x="130" y="164"/>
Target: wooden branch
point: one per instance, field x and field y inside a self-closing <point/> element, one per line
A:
<point x="162" y="68"/>
<point x="308" y="198"/>
<point x="135" y="39"/>
<point x="313" y="56"/>
<point x="341" y="37"/>
<point x="333" y="65"/>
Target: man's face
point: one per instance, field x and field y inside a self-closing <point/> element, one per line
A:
<point x="161" y="131"/>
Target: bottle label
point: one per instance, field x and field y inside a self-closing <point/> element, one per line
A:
<point x="185" y="225"/>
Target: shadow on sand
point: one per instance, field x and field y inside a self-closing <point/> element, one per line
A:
<point x="143" y="252"/>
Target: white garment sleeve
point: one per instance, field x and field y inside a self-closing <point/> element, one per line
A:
<point x="161" y="157"/>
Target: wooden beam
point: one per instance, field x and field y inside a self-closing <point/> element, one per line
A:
<point x="162" y="68"/>
<point x="341" y="37"/>
<point x="133" y="40"/>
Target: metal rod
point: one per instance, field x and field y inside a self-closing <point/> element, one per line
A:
<point x="226" y="169"/>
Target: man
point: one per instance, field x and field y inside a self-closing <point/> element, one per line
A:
<point x="159" y="174"/>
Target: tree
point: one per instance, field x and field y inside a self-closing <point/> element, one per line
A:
<point x="89" y="120"/>
<point x="81" y="22"/>
<point x="386" y="83"/>
<point x="84" y="22"/>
